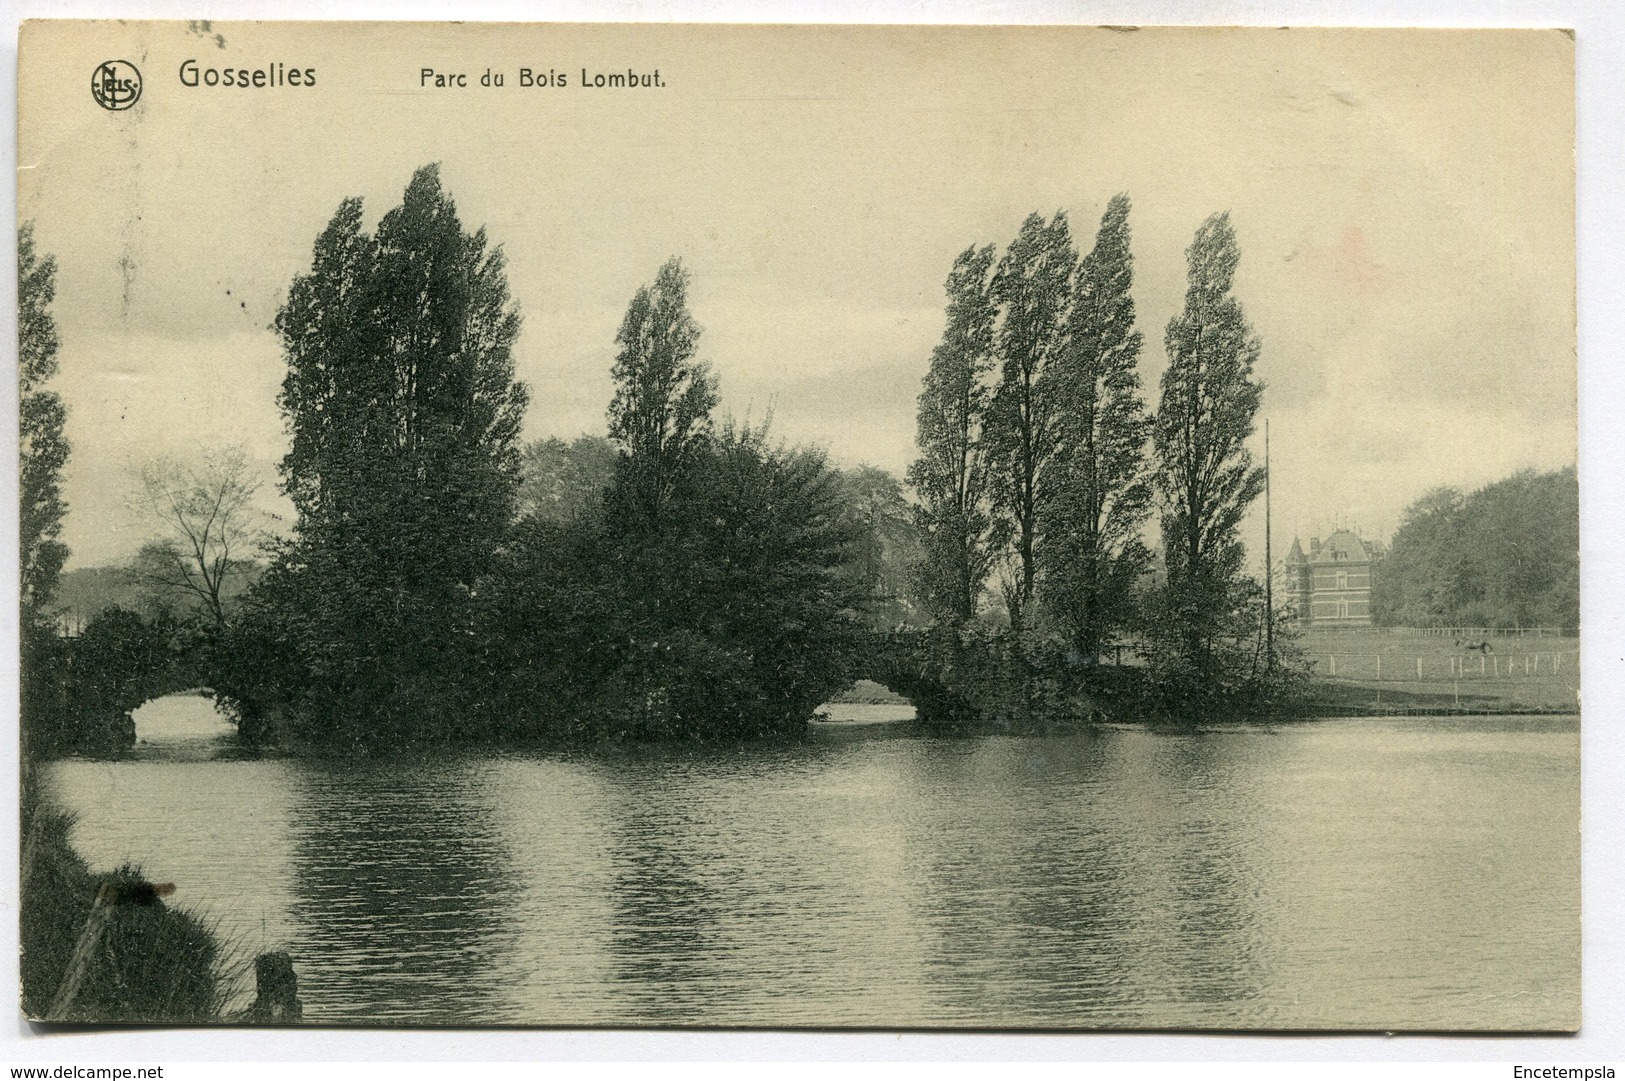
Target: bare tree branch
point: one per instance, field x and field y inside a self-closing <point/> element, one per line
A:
<point x="207" y="519"/>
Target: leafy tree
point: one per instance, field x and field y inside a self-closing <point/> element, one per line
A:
<point x="1422" y="581"/>
<point x="404" y="417"/>
<point x="1504" y="556"/>
<point x="44" y="451"/>
<point x="1032" y="287"/>
<point x="565" y="482"/>
<point x="1101" y="491"/>
<point x="886" y="554"/>
<point x="661" y="413"/>
<point x="1204" y="471"/>
<point x="212" y="530"/>
<point x="1525" y="535"/>
<point x="744" y="614"/>
<point x="950" y="476"/>
<point x="719" y="592"/>
<point x="555" y="625"/>
<point x="738" y="619"/>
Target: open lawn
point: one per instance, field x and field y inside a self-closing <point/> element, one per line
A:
<point x="1387" y="670"/>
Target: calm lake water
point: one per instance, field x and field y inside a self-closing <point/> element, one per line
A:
<point x="1407" y="873"/>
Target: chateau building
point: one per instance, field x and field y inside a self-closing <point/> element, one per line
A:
<point x="1331" y="586"/>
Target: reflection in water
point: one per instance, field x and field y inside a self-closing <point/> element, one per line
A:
<point x="1201" y="869"/>
<point x="1013" y="901"/>
<point x="1103" y="862"/>
<point x="180" y="718"/>
<point x="1404" y="873"/>
<point x="407" y="891"/>
<point x="666" y="933"/>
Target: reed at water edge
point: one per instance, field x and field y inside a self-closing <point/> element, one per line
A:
<point x="106" y="948"/>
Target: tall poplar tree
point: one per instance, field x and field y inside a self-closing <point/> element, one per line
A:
<point x="1032" y="288"/>
<point x="950" y="475"/>
<point x="1204" y="471"/>
<point x="404" y="416"/>
<point x="1101" y="492"/>
<point x="44" y="451"/>
<point x="661" y="413"/>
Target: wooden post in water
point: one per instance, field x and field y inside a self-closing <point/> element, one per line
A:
<point x="276" y="987"/>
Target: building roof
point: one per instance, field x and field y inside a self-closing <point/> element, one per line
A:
<point x="1342" y="547"/>
<point x="1296" y="555"/>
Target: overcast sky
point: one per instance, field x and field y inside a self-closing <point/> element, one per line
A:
<point x="1403" y="202"/>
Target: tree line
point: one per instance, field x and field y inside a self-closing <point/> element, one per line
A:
<point x="1504" y="556"/>
<point x="1041" y="464"/>
<point x="688" y="576"/>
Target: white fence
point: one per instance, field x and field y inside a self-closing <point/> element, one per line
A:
<point x="1411" y="668"/>
<point x="1465" y="634"/>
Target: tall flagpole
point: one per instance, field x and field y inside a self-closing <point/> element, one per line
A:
<point x="1269" y="563"/>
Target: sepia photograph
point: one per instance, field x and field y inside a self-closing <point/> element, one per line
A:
<point x="798" y="527"/>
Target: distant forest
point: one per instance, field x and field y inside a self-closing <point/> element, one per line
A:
<point x="1505" y="556"/>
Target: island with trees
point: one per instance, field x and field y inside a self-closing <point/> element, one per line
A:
<point x="1063" y="549"/>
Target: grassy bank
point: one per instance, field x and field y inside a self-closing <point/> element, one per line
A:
<point x="1356" y="699"/>
<point x="106" y="948"/>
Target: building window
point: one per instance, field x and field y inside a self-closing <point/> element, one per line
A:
<point x="1342" y="579"/>
<point x="1342" y="609"/>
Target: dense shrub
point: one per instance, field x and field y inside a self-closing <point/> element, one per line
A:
<point x="738" y="616"/>
<point x="79" y="692"/>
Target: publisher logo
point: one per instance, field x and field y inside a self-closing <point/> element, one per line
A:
<point x="116" y="85"/>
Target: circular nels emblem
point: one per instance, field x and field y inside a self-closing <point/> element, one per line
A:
<point x="116" y="85"/>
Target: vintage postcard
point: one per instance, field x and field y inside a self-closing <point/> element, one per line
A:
<point x="799" y="526"/>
